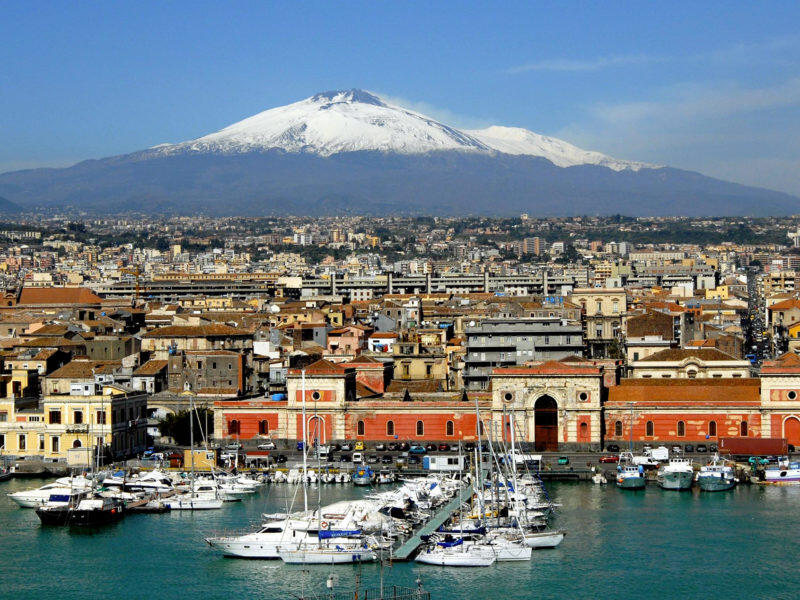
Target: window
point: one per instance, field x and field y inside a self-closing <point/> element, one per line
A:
<point x="420" y="428"/>
<point x="101" y="417"/>
<point x="618" y="429"/>
<point x="360" y="428"/>
<point x="635" y="356"/>
<point x="77" y="417"/>
<point x="2" y="441"/>
<point x="712" y="428"/>
<point x="22" y="445"/>
<point x="55" y="417"/>
<point x="233" y="427"/>
<point x="55" y="444"/>
<point x="691" y="374"/>
<point x="41" y="442"/>
<point x="428" y="370"/>
<point x="449" y="428"/>
<point x="615" y="307"/>
<point x="681" y="429"/>
<point x="3" y="417"/>
<point x="263" y="427"/>
<point x="389" y="427"/>
<point x="214" y="365"/>
<point x="792" y="395"/>
<point x="743" y="429"/>
<point x="649" y="429"/>
<point x="405" y="370"/>
<point x="583" y="396"/>
<point x="599" y="306"/>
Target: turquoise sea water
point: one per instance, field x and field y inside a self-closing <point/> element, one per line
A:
<point x="650" y="544"/>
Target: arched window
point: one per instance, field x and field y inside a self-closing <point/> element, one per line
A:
<point x="743" y="429"/>
<point x="449" y="428"/>
<point x="618" y="429"/>
<point x="681" y="429"/>
<point x="649" y="429"/>
<point x="233" y="427"/>
<point x="76" y="444"/>
<point x="389" y="427"/>
<point x="712" y="428"/>
<point x="360" y="428"/>
<point x="420" y="428"/>
<point x="263" y="427"/>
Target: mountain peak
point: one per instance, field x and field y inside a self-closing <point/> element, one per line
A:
<point x="349" y="96"/>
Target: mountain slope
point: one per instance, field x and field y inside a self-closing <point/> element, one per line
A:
<point x="351" y="152"/>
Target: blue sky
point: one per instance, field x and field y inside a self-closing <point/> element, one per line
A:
<point x="713" y="87"/>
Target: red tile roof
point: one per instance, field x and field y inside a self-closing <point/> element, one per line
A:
<point x="212" y="330"/>
<point x="669" y="392"/>
<point x="55" y="295"/>
<point x="321" y="367"/>
<point x="785" y="363"/>
<point x="551" y="367"/>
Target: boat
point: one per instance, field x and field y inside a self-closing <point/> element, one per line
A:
<point x="386" y="476"/>
<point x="782" y="473"/>
<point x="62" y="486"/>
<point x="677" y="474"/>
<point x="549" y="538"/>
<point x="630" y="476"/>
<point x="716" y="476"/>
<point x="193" y="501"/>
<point x="363" y="476"/>
<point x="456" y="554"/>
<point x="326" y="555"/>
<point x="87" y="512"/>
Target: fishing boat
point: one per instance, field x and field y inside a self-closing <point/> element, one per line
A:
<point x="87" y="512"/>
<point x="783" y="473"/>
<point x="716" y="476"/>
<point x="677" y="474"/>
<point x="630" y="476"/>
<point x="363" y="476"/>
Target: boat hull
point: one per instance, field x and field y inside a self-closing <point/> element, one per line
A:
<point x="631" y="483"/>
<point x="79" y="518"/>
<point x="715" y="484"/>
<point x="326" y="557"/>
<point x="456" y="559"/>
<point x="544" y="539"/>
<point x="675" y="480"/>
<point x="192" y="503"/>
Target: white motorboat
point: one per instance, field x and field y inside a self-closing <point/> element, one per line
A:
<point x="62" y="486"/>
<point x="263" y="543"/>
<point x="335" y="555"/>
<point x="544" y="539"/>
<point x="193" y="501"/>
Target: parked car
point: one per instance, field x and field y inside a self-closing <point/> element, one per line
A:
<point x="344" y="457"/>
<point x="417" y="449"/>
<point x="358" y="458"/>
<point x="612" y="448"/>
<point x="713" y="448"/>
<point x="387" y="459"/>
<point x="469" y="446"/>
<point x="444" y="447"/>
<point x="688" y="448"/>
<point x="359" y="446"/>
<point x="372" y="459"/>
<point x="676" y="449"/>
<point x="394" y="447"/>
<point x="404" y="446"/>
<point x="430" y="447"/>
<point x="413" y="460"/>
<point x="609" y="458"/>
<point x="281" y="458"/>
<point x="702" y="448"/>
<point x="301" y="446"/>
<point x="400" y="460"/>
<point x="233" y="446"/>
<point x="335" y="447"/>
<point x="380" y="448"/>
<point x="347" y="447"/>
<point x="267" y="446"/>
<point x="563" y="460"/>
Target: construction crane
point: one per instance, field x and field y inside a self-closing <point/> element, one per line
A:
<point x="136" y="272"/>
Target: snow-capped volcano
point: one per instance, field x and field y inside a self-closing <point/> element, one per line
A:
<point x="354" y="120"/>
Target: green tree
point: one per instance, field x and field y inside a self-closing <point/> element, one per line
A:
<point x="176" y="426"/>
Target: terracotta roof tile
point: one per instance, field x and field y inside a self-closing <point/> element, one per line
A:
<point x="212" y="330"/>
<point x="679" y="354"/>
<point x="56" y="295"/>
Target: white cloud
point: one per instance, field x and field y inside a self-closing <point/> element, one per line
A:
<point x="592" y="64"/>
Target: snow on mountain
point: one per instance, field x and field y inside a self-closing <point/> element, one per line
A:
<point x="515" y="140"/>
<point x="330" y="123"/>
<point x="354" y="120"/>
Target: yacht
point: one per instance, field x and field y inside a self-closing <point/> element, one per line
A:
<point x="677" y="474"/>
<point x="456" y="554"/>
<point x="62" y="486"/>
<point x="716" y="476"/>
<point x="326" y="555"/>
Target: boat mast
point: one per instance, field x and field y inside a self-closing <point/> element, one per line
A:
<point x="305" y="441"/>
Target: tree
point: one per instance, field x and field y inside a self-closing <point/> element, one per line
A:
<point x="176" y="426"/>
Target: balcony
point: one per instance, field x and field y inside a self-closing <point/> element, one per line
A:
<point x="78" y="428"/>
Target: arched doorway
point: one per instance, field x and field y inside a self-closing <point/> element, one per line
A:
<point x="545" y="424"/>
<point x="791" y="431"/>
<point x="316" y="431"/>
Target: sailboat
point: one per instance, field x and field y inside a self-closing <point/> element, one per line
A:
<point x="198" y="497"/>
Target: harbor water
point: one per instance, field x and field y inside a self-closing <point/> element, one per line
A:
<point x="620" y="544"/>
